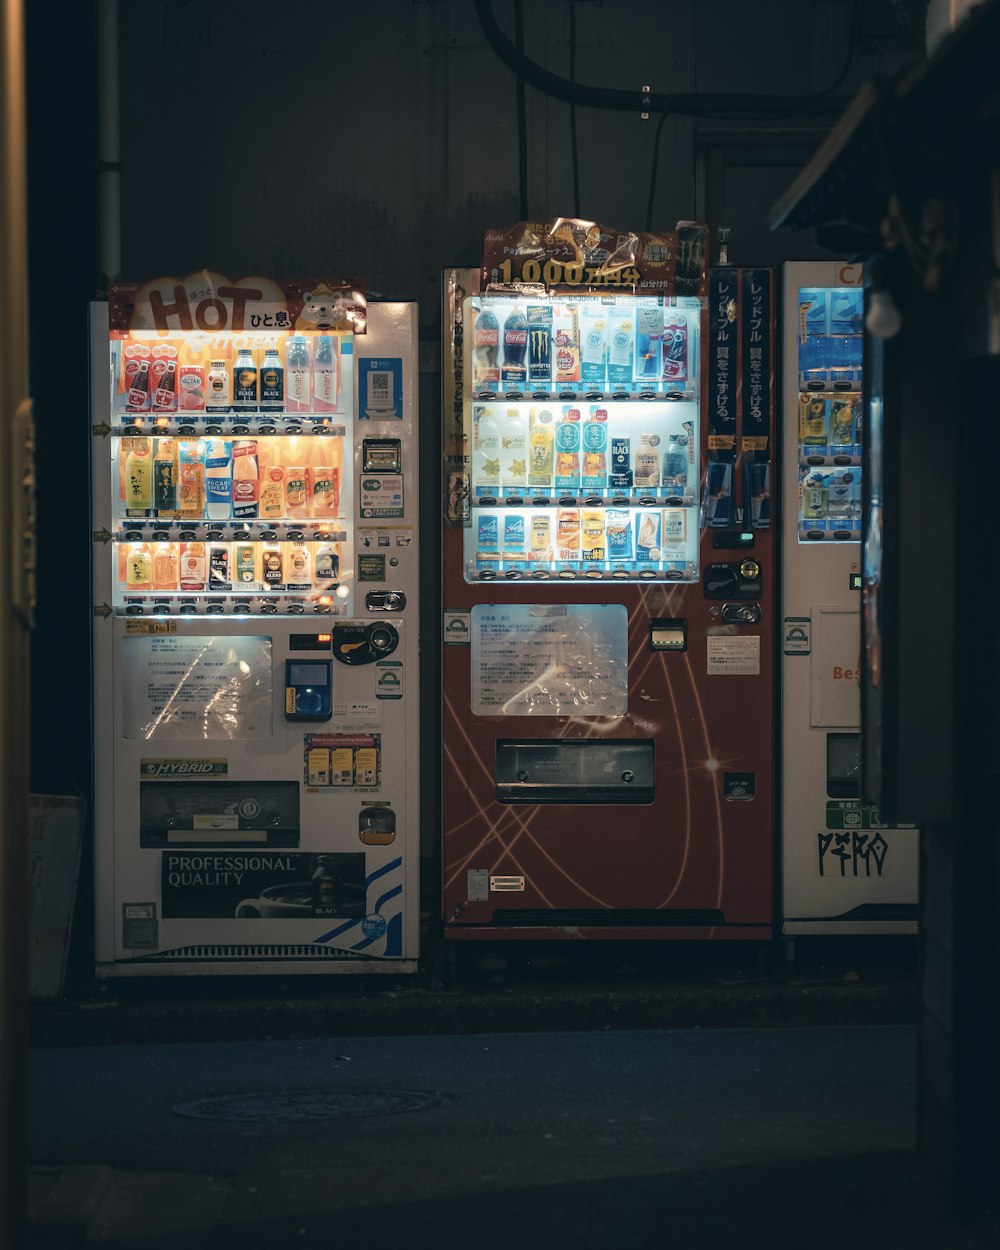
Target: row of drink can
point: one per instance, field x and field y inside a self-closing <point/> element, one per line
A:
<point x="546" y="346"/>
<point x="243" y="568"/>
<point x="831" y="333"/>
<point x="558" y="450"/>
<point x="829" y="421"/>
<point x="291" y="374"/>
<point x="613" y="538"/>
<point x="218" y="479"/>
<point x="833" y="494"/>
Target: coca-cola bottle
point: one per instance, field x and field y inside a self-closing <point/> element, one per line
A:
<point x="515" y="346"/>
<point x="485" y="352"/>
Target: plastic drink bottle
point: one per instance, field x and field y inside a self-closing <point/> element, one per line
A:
<point x="165" y="567"/>
<point x="136" y="378"/>
<point x="163" y="378"/>
<point x="165" y="478"/>
<point x="595" y="450"/>
<point x="515" y="347"/>
<point x="192" y="479"/>
<point x="246" y="479"/>
<point x="325" y="376"/>
<point x="298" y="385"/>
<point x="138" y="568"/>
<point x="514" y="451"/>
<point x="540" y="446"/>
<point x="675" y="466"/>
<point x="487" y="448"/>
<point x="138" y="477"/>
<point x="218" y="479"/>
<point x="567" y="451"/>
<point x="485" y="352"/>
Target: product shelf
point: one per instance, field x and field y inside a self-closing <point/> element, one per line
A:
<point x="675" y="395"/>
<point x="561" y="499"/>
<point x="229" y="425"/>
<point x="215" y="603"/>
<point x="163" y="529"/>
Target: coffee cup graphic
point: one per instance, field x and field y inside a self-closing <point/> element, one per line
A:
<point x="279" y="901"/>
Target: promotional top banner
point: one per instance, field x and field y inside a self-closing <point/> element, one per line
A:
<point x="211" y="302"/>
<point x="567" y="254"/>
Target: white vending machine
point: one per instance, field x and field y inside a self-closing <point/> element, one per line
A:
<point x="255" y="571"/>
<point x="843" y="870"/>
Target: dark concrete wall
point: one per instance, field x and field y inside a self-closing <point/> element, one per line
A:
<point x="379" y="139"/>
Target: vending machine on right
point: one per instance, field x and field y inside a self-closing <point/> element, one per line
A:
<point x="843" y="870"/>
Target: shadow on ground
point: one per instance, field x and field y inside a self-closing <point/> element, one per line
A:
<point x="879" y="1201"/>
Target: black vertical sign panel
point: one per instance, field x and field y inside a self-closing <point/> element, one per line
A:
<point x="756" y="368"/>
<point x="722" y="384"/>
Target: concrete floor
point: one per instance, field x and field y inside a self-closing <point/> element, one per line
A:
<point x="690" y="1138"/>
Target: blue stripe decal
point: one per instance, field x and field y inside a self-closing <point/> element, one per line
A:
<point x="380" y="872"/>
<point x="340" y="929"/>
<point x="388" y="895"/>
<point x="394" y="935"/>
<point x="360" y="946"/>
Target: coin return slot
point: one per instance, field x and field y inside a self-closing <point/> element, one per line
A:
<point x="668" y="634"/>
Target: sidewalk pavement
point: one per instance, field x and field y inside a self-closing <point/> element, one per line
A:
<point x="694" y="1138"/>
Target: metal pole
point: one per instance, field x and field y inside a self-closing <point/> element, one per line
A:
<point x="16" y="602"/>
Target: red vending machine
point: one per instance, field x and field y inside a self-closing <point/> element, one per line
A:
<point x="608" y="591"/>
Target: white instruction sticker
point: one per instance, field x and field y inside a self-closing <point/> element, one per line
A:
<point x="734" y="655"/>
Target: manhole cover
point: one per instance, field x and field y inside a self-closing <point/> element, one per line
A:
<point x="308" y="1104"/>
